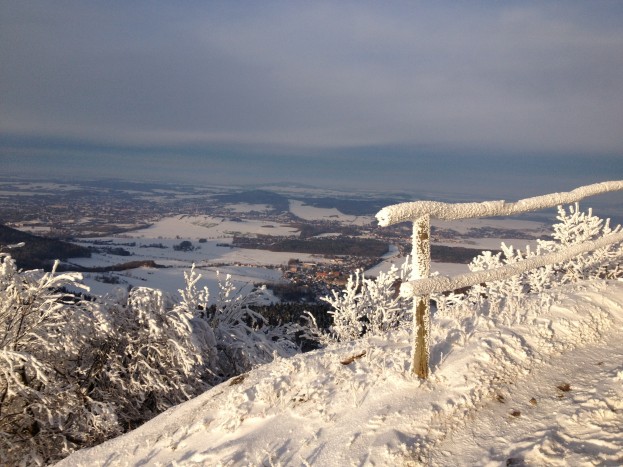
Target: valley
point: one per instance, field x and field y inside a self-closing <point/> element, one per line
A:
<point x="299" y="241"/>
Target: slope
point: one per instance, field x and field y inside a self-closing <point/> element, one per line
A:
<point x="39" y="252"/>
<point x="356" y="403"/>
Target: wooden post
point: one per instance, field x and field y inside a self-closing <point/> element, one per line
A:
<point x="421" y="305"/>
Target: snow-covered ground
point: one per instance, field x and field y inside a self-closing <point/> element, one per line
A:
<point x="471" y="227"/>
<point x="218" y="232"/>
<point x="543" y="389"/>
<point x="246" y="207"/>
<point x="208" y="227"/>
<point x="171" y="280"/>
<point x="247" y="266"/>
<point x="311" y="213"/>
<point x="33" y="188"/>
<point x="393" y="259"/>
<point x="465" y="225"/>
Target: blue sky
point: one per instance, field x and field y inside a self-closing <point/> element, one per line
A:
<point x="246" y="86"/>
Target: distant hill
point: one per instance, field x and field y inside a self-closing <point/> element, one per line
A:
<point x="39" y="252"/>
<point x="278" y="202"/>
<point x="352" y="207"/>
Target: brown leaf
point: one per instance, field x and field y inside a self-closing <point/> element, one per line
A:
<point x="350" y="360"/>
<point x="565" y="387"/>
<point x="237" y="380"/>
<point x="515" y="413"/>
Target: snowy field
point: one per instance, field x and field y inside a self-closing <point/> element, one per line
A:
<point x="311" y="213"/>
<point x="245" y="266"/>
<point x="248" y="266"/>
<point x="471" y="227"/>
<point x="246" y="207"/>
<point x="171" y="280"/>
<point x="34" y="188"/>
<point x="196" y="227"/>
<point x="546" y="389"/>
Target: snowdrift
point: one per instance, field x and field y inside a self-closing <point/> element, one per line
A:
<point x="543" y="388"/>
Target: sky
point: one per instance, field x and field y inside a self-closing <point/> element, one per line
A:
<point x="353" y="92"/>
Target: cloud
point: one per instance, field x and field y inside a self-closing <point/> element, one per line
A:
<point x="508" y="75"/>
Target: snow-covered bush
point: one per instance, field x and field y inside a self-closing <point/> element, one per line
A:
<point x="369" y="306"/>
<point x="233" y="336"/>
<point x="74" y="373"/>
<point x="573" y="227"/>
<point x="147" y="357"/>
<point x="45" y="366"/>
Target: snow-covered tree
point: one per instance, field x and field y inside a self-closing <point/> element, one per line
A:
<point x="234" y="337"/>
<point x="74" y="372"/>
<point x="369" y="306"/>
<point x="45" y="364"/>
<point x="357" y="309"/>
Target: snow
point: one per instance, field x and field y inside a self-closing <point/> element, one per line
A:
<point x="489" y="244"/>
<point x="311" y="213"/>
<point x="170" y="280"/>
<point x="356" y="403"/>
<point x="35" y="229"/>
<point x="209" y="227"/>
<point x="246" y="207"/>
<point x="247" y="266"/>
<point x="210" y="256"/>
<point x="471" y="231"/>
<point x="587" y="419"/>
<point x="428" y="285"/>
<point x="464" y="226"/>
<point x="438" y="210"/>
<point x="34" y="188"/>
<point x="6" y="193"/>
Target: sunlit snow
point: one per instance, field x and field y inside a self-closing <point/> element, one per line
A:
<point x="492" y="399"/>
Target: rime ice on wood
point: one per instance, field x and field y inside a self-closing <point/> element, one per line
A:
<point x="421" y="306"/>
<point x="421" y="211"/>
<point x="437" y="210"/>
<point x="444" y="283"/>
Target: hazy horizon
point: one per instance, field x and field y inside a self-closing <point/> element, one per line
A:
<point x="485" y="99"/>
<point x="387" y="169"/>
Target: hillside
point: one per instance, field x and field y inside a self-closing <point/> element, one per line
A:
<point x="540" y="387"/>
<point x="39" y="252"/>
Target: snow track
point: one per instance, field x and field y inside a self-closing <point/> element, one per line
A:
<point x="568" y="411"/>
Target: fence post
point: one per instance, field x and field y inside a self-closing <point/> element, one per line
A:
<point x="421" y="305"/>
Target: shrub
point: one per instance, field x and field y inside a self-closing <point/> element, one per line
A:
<point x="369" y="306"/>
<point x="573" y="227"/>
<point x="74" y="373"/>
